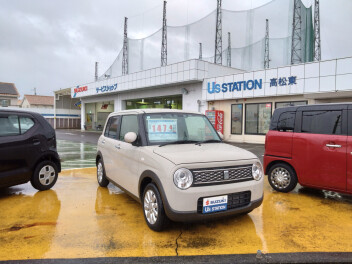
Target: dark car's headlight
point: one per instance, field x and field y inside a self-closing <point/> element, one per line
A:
<point x="183" y="178"/>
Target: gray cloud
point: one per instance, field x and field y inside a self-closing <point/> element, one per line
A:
<point x="54" y="44"/>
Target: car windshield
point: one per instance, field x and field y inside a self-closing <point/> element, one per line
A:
<point x="166" y="128"/>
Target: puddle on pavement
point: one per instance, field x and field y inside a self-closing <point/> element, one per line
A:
<point x="76" y="155"/>
<point x="79" y="219"/>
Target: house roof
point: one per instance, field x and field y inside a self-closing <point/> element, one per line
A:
<point x="39" y="99"/>
<point x="8" y="89"/>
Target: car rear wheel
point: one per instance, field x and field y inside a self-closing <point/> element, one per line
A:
<point x="45" y="175"/>
<point x="153" y="208"/>
<point x="101" y="177"/>
<point x="282" y="177"/>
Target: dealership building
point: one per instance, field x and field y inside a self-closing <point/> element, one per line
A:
<point x="247" y="99"/>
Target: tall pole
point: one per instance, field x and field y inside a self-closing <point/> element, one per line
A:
<point x="266" y="53"/>
<point x="164" y="39"/>
<point x="96" y="71"/>
<point x="218" y="35"/>
<point x="317" y="47"/>
<point x="296" y="55"/>
<point x="229" y="50"/>
<point x="200" y="51"/>
<point x="125" y="50"/>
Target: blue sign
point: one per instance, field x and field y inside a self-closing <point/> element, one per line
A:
<point x="234" y="86"/>
<point x="107" y="88"/>
<point x="283" y="81"/>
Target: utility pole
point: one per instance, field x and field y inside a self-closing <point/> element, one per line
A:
<point x="317" y="47"/>
<point x="296" y="55"/>
<point x="96" y="71"/>
<point x="218" y="35"/>
<point x="125" y="50"/>
<point x="35" y="91"/>
<point x="229" y="50"/>
<point x="164" y="39"/>
<point x="200" y="51"/>
<point x="266" y="53"/>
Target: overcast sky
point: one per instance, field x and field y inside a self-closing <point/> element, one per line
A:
<point x="54" y="44"/>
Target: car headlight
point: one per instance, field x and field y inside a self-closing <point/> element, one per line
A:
<point x="183" y="178"/>
<point x="257" y="171"/>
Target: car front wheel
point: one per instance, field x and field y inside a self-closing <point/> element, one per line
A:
<point x="153" y="208"/>
<point x="282" y="177"/>
<point x="44" y="176"/>
<point x="101" y="177"/>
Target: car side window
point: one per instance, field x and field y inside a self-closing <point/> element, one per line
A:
<point x="286" y="122"/>
<point x="349" y="122"/>
<point x="9" y="125"/>
<point x="26" y="123"/>
<point x="322" y="122"/>
<point x="112" y="127"/>
<point x="129" y="124"/>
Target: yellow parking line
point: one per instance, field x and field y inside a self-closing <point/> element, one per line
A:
<point x="78" y="219"/>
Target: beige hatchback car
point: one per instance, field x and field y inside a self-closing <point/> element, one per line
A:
<point x="175" y="164"/>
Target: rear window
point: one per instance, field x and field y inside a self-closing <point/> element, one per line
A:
<point x="322" y="122"/>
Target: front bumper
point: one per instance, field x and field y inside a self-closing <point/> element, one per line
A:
<point x="195" y="216"/>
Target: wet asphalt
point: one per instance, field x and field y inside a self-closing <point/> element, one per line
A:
<point x="91" y="137"/>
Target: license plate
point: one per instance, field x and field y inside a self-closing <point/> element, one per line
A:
<point x="214" y="204"/>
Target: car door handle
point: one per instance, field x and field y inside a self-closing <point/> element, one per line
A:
<point x="333" y="146"/>
<point x="103" y="142"/>
<point x="117" y="146"/>
<point x="36" y="141"/>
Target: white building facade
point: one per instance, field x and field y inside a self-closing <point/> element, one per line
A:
<point x="248" y="99"/>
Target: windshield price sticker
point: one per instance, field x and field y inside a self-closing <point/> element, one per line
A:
<point x="214" y="204"/>
<point x="162" y="129"/>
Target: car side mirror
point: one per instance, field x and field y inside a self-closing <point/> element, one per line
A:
<point x="221" y="135"/>
<point x="130" y="137"/>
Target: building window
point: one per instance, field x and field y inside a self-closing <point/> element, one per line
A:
<point x="287" y="104"/>
<point x="236" y="119"/>
<point x="322" y="122"/>
<point x="258" y="118"/>
<point x="5" y="103"/>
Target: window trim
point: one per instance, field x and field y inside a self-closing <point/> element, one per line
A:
<point x="241" y="121"/>
<point x="245" y="123"/>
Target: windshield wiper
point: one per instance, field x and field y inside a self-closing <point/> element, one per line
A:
<point x="178" y="142"/>
<point x="208" y="141"/>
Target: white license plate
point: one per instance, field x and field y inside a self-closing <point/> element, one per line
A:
<point x="214" y="204"/>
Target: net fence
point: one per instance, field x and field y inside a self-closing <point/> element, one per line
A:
<point x="247" y="30"/>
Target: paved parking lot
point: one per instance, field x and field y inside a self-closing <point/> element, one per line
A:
<point x="78" y="219"/>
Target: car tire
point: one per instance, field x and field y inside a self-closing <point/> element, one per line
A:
<point x="282" y="177"/>
<point x="153" y="208"/>
<point x="101" y="176"/>
<point x="45" y="175"/>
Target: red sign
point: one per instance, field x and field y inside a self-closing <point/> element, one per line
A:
<point x="81" y="89"/>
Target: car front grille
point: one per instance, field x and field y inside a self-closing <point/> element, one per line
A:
<point x="222" y="175"/>
<point x="234" y="200"/>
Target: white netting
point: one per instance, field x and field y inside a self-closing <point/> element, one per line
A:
<point x="247" y="30"/>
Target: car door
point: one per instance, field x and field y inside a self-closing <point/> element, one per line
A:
<point x="107" y="144"/>
<point x="319" y="147"/>
<point x="127" y="156"/>
<point x="349" y="151"/>
<point x="17" y="149"/>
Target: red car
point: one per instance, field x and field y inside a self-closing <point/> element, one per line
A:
<point x="310" y="145"/>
